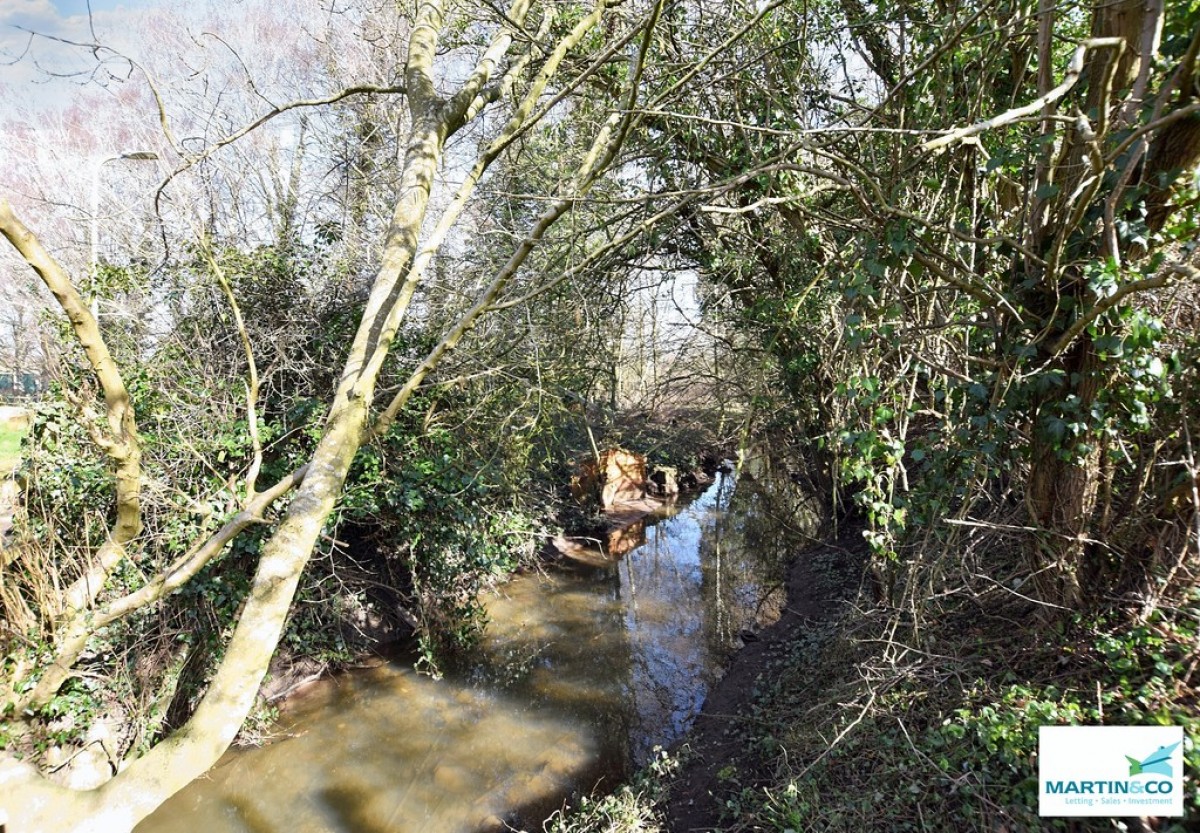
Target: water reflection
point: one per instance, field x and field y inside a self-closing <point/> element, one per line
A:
<point x="586" y="667"/>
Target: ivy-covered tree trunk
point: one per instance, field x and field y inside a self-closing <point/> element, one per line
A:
<point x="1063" y="483"/>
<point x="1095" y="219"/>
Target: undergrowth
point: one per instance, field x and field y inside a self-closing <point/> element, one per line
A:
<point x="633" y="808"/>
<point x="875" y="729"/>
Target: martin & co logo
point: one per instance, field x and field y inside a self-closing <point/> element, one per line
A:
<point x="1087" y="771"/>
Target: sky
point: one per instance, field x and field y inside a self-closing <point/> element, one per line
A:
<point x="70" y="7"/>
<point x="53" y="15"/>
<point x="59" y="18"/>
<point x="56" y="18"/>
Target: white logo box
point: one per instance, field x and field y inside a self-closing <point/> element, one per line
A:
<point x="1110" y="771"/>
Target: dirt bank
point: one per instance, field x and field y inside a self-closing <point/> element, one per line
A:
<point x="718" y="759"/>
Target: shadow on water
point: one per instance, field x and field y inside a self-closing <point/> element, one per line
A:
<point x="585" y="669"/>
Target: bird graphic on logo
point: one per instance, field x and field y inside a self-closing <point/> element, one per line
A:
<point x="1157" y="762"/>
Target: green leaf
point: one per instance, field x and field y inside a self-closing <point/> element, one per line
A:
<point x="1046" y="190"/>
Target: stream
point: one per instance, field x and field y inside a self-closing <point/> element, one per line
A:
<point x="586" y="668"/>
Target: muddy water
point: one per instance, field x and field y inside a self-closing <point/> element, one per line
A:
<point x="586" y="668"/>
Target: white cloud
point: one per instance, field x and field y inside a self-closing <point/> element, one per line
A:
<point x="27" y="28"/>
<point x="36" y="38"/>
<point x="26" y="12"/>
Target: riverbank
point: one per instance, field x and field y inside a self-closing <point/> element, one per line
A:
<point x="854" y="717"/>
<point x="723" y="755"/>
<point x="890" y="721"/>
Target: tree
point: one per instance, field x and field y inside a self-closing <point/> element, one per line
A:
<point x="22" y="354"/>
<point x="984" y="297"/>
<point x="524" y="55"/>
<point x="1099" y="235"/>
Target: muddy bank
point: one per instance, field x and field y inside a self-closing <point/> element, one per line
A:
<point x="819" y="582"/>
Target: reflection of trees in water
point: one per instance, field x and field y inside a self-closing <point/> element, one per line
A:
<point x="763" y="520"/>
<point x="669" y="672"/>
<point x="582" y="671"/>
<point x="689" y="591"/>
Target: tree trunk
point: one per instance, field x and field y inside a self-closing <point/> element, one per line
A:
<point x="1062" y="488"/>
<point x="139" y="789"/>
<point x="1065" y="469"/>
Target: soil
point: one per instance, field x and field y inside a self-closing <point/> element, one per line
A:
<point x="813" y="594"/>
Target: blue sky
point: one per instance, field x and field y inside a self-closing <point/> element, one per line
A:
<point x="49" y="14"/>
<point x="66" y="8"/>
<point x="55" y="18"/>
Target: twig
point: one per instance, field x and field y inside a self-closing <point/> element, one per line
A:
<point x="870" y="702"/>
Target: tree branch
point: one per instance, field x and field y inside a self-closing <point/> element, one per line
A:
<point x="1073" y="74"/>
<point x="190" y="162"/>
<point x="122" y="445"/>
<point x="1155" y="282"/>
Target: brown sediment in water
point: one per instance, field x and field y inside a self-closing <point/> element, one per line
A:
<point x="587" y="665"/>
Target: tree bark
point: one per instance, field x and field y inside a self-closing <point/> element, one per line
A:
<point x="1061" y="494"/>
<point x="136" y="791"/>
